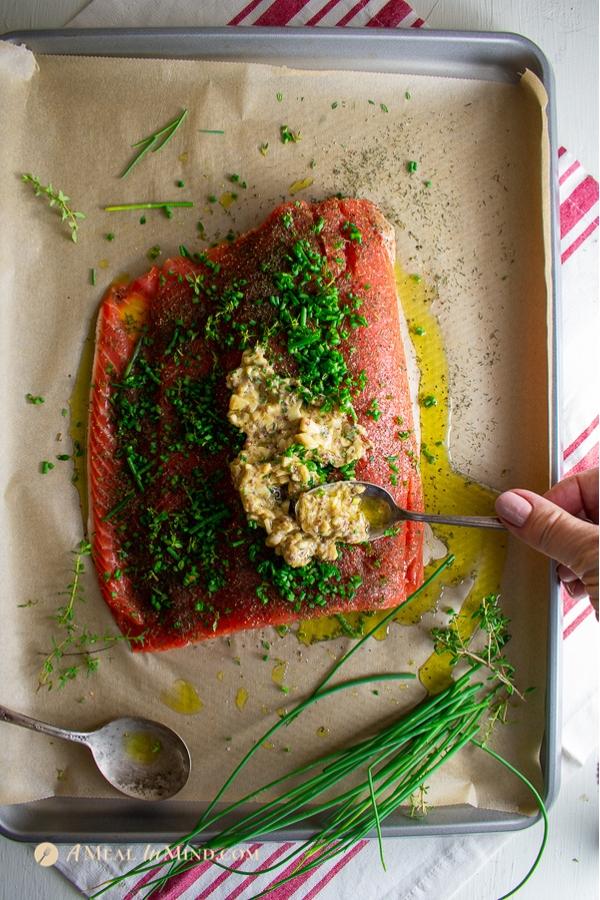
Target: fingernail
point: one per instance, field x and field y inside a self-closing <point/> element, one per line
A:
<point x="514" y="508"/>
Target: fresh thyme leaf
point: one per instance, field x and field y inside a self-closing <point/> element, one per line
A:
<point x="455" y="640"/>
<point x="287" y="135"/>
<point x="418" y="804"/>
<point x="75" y="640"/>
<point x="56" y="199"/>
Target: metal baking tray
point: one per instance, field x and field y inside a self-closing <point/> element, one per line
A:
<point x="478" y="55"/>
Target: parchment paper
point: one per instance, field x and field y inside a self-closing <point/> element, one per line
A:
<point x="477" y="234"/>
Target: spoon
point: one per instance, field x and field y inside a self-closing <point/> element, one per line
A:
<point x="140" y="758"/>
<point x="381" y="511"/>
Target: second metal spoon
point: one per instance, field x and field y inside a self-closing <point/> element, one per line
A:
<point x="382" y="512"/>
<point x="139" y="757"/>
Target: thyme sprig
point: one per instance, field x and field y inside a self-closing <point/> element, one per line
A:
<point x="154" y="141"/>
<point x="75" y="640"/>
<point x="493" y="624"/>
<point x="56" y="199"/>
<point x="418" y="806"/>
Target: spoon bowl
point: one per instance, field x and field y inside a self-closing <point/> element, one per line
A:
<point x="141" y="758"/>
<point x="382" y="512"/>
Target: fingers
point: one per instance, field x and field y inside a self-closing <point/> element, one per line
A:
<point x="571" y="583"/>
<point x="577" y="494"/>
<point x="551" y="530"/>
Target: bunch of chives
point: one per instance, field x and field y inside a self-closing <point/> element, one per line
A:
<point x="391" y="765"/>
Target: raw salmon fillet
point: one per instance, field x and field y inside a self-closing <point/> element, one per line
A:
<point x="157" y="358"/>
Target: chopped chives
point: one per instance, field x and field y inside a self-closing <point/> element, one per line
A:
<point x="92" y="276"/>
<point x="160" y="204"/>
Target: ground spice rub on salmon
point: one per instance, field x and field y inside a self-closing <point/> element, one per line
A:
<point x="308" y="300"/>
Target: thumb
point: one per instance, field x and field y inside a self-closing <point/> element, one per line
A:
<point x="550" y="529"/>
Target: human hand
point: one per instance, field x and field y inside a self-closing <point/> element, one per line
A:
<point x="563" y="524"/>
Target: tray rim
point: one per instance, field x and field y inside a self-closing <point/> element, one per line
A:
<point x="304" y="39"/>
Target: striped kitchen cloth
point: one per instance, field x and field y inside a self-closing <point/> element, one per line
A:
<point x="417" y="868"/>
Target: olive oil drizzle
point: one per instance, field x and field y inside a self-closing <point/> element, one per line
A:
<point x="479" y="554"/>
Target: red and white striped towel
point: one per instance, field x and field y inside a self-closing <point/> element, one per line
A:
<point x="423" y="867"/>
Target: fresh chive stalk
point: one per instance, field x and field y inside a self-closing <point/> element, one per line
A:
<point x="155" y="141"/>
<point x="159" y="204"/>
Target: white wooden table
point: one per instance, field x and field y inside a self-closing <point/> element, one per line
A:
<point x="568" y="34"/>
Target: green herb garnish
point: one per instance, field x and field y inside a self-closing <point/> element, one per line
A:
<point x="412" y="166"/>
<point x="155" y="141"/>
<point x="46" y="466"/>
<point x="288" y="136"/>
<point x="56" y="199"/>
<point x="34" y="399"/>
<point x="76" y="649"/>
<point x="429" y="456"/>
<point x="160" y="204"/>
<point x="353" y="231"/>
<point x="374" y="411"/>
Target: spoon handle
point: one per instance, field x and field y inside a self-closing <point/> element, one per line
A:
<point x="468" y="521"/>
<point x="15" y="718"/>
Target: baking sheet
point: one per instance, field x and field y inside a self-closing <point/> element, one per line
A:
<point x="461" y="148"/>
